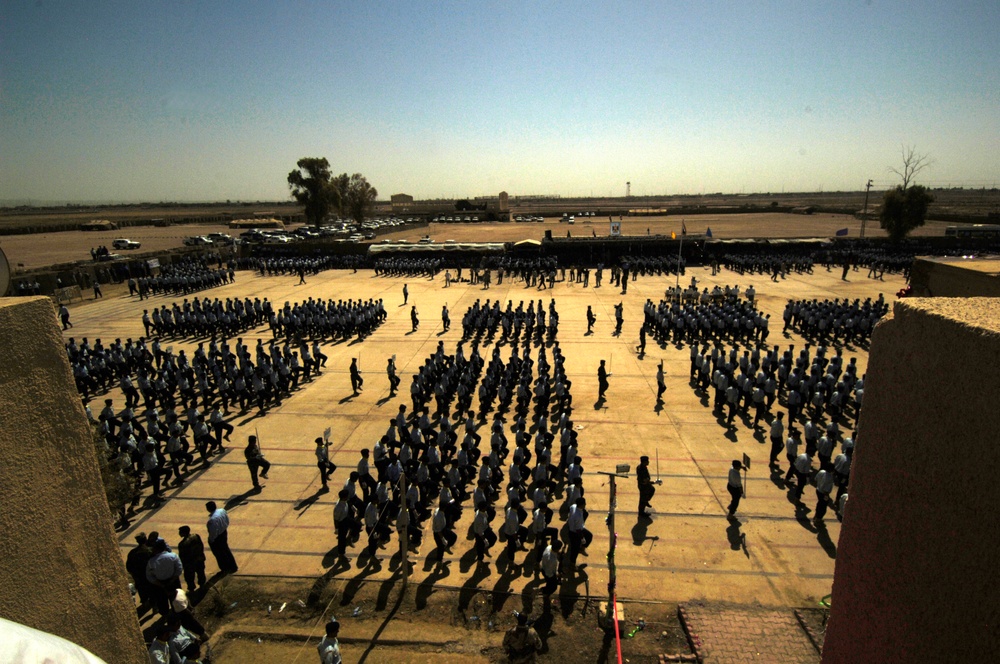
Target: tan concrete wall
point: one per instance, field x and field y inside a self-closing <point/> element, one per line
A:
<point x="916" y="575"/>
<point x="934" y="278"/>
<point x="60" y="568"/>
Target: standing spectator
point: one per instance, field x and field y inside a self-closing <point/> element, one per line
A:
<point x="192" y="552"/>
<point x="97" y="290"/>
<point x="135" y="563"/>
<point x="218" y="538"/>
<point x="163" y="571"/>
<point x="329" y="647"/>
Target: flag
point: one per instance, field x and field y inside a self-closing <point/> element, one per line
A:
<point x="684" y="228"/>
<point x="842" y="232"/>
<point x="708" y="231"/>
<point x="673" y="235"/>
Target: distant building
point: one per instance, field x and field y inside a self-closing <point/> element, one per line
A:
<point x="400" y="202"/>
<point x="504" y="204"/>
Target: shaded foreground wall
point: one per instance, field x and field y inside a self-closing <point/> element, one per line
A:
<point x="60" y="568"/>
<point x="917" y="577"/>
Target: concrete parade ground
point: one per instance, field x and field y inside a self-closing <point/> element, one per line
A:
<point x="774" y="556"/>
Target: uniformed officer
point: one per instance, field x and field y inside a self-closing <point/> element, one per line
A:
<point x="357" y="382"/>
<point x="255" y="461"/>
<point x="646" y="486"/>
<point x="734" y="486"/>
<point x="602" y="380"/>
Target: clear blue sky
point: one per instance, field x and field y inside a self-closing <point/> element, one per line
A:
<point x="201" y="101"/>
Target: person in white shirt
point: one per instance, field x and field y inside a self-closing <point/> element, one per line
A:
<point x="579" y="536"/>
<point x="551" y="561"/>
<point x="801" y="467"/>
<point x="791" y="452"/>
<point x="842" y="471"/>
<point x="735" y="487"/>
<point x="824" y="485"/>
<point x="329" y="647"/>
<point x="777" y="437"/>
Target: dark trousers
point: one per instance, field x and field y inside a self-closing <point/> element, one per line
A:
<point x="219" y="428"/>
<point x="645" y="495"/>
<point x="822" y="502"/>
<point x="776" y="446"/>
<point x="737" y="494"/>
<point x="326" y="469"/>
<point x="193" y="571"/>
<point x="223" y="556"/>
<point x="551" y="585"/>
<point x="190" y="623"/>
<point x="261" y="464"/>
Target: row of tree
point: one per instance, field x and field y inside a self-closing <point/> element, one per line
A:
<point x="904" y="207"/>
<point x="321" y="193"/>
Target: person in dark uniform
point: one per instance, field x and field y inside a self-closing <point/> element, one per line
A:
<point x="135" y="563"/>
<point x="192" y="552"/>
<point x="591" y="319"/>
<point x="646" y="486"/>
<point x="413" y="318"/>
<point x="642" y="341"/>
<point x="619" y="319"/>
<point x="390" y="371"/>
<point x="357" y="382"/>
<point x="602" y="380"/>
<point x="735" y="487"/>
<point x="255" y="461"/>
<point x="406" y="293"/>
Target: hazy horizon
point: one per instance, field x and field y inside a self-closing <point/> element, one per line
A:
<point x="120" y="102"/>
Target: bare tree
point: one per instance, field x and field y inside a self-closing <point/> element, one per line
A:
<point x="913" y="163"/>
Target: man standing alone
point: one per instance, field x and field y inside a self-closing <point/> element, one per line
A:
<point x="646" y="488"/>
<point x="218" y="538"/>
<point x="735" y="487"/>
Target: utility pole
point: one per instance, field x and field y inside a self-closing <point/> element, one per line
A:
<point x="620" y="471"/>
<point x="864" y="214"/>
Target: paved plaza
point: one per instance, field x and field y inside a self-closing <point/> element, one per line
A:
<point x="774" y="556"/>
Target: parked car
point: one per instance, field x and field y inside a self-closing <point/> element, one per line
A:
<point x="123" y="243"/>
<point x="221" y="239"/>
<point x="197" y="241"/>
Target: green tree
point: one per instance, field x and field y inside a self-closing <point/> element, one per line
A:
<point x="342" y="183"/>
<point x="904" y="209"/>
<point x="360" y="198"/>
<point x="905" y="206"/>
<point x="311" y="185"/>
